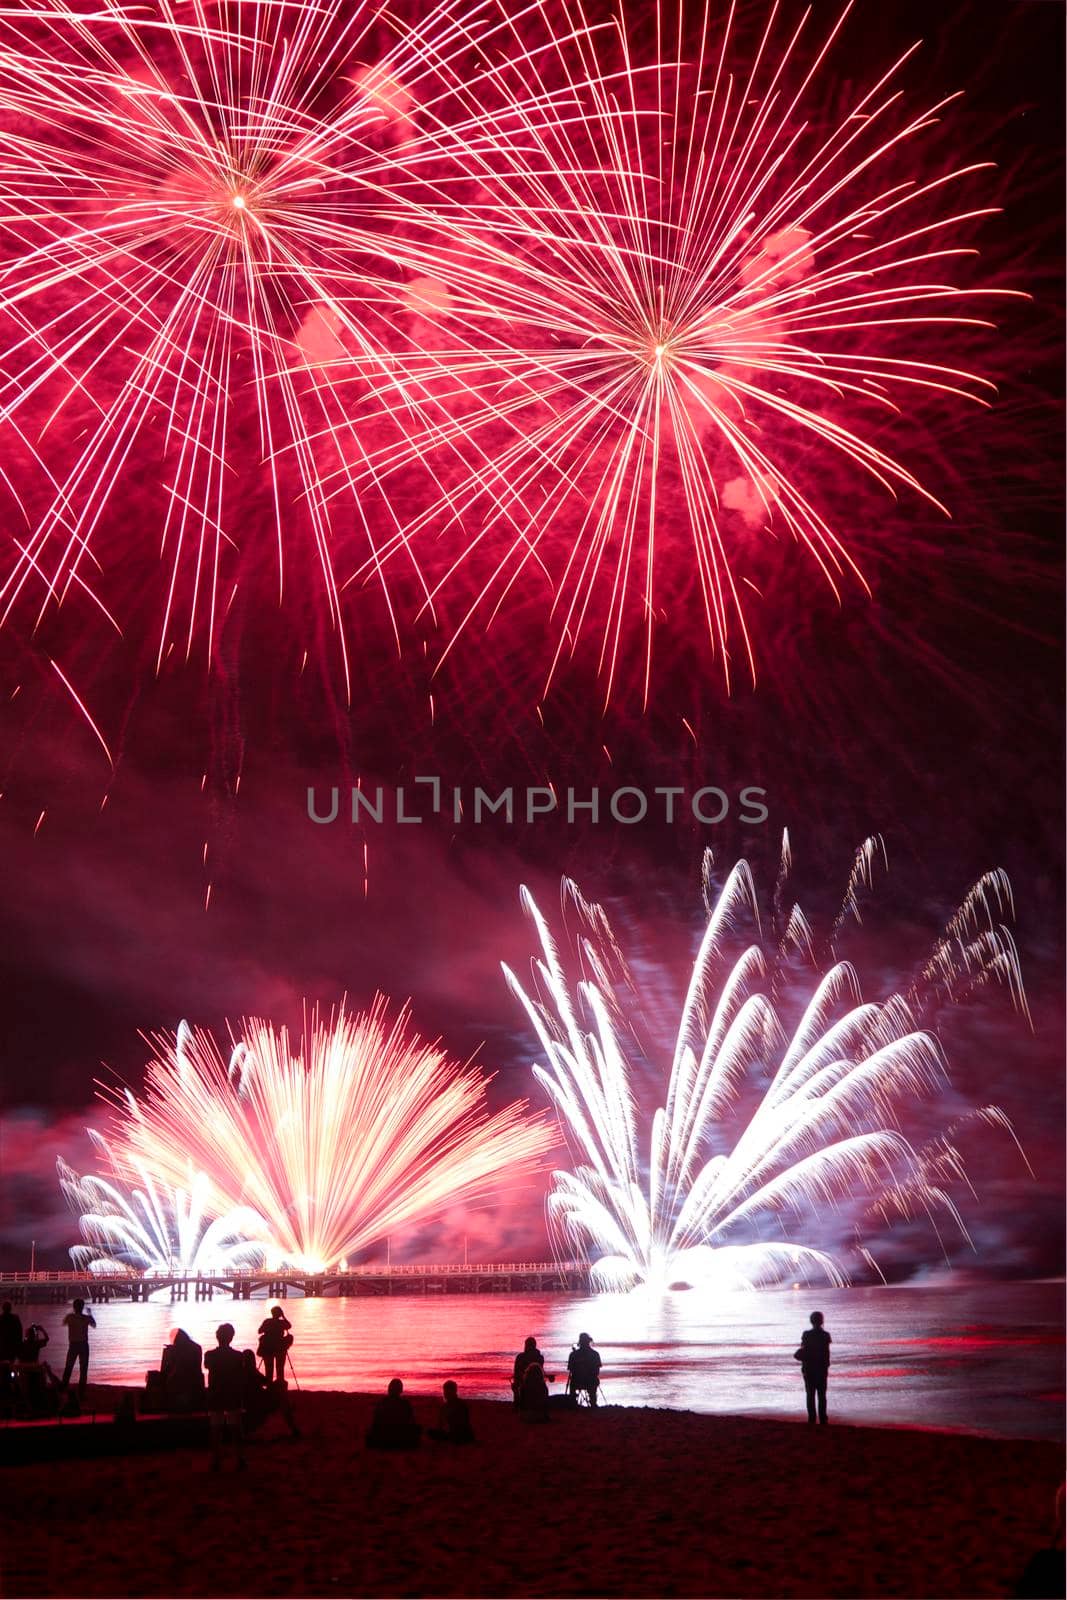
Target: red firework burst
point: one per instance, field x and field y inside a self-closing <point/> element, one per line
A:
<point x="202" y="198"/>
<point x="705" y="298"/>
<point x="645" y="304"/>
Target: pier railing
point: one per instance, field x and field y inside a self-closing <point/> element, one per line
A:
<point x="374" y="1278"/>
<point x="369" y="1270"/>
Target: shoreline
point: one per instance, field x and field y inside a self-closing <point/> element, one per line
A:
<point x="111" y="1393"/>
<point x="626" y="1501"/>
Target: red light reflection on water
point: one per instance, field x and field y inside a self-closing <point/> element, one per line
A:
<point x="875" y="1372"/>
<point x="985" y="1342"/>
<point x="899" y="1357"/>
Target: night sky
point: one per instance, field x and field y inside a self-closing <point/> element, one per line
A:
<point x="930" y="712"/>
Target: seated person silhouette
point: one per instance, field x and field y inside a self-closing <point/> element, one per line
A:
<point x="583" y="1368"/>
<point x="181" y="1373"/>
<point x="264" y="1398"/>
<point x="394" y="1426"/>
<point x="528" y="1353"/>
<point x="454" y="1423"/>
<point x="533" y="1396"/>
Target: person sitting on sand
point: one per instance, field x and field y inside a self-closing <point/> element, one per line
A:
<point x="225" y="1395"/>
<point x="10" y="1334"/>
<point x="394" y="1426"/>
<point x="264" y="1399"/>
<point x="583" y="1368"/>
<point x="181" y="1373"/>
<point x="814" y="1358"/>
<point x="454" y="1420"/>
<point x="528" y="1353"/>
<point x="533" y="1396"/>
<point x="274" y="1341"/>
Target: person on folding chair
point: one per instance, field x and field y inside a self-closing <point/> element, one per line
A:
<point x="583" y="1369"/>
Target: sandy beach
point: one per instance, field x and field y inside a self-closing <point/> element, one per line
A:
<point x="619" y="1502"/>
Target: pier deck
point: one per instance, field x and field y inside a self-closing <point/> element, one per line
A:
<point x="511" y="1277"/>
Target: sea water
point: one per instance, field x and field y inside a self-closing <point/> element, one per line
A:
<point x="987" y="1358"/>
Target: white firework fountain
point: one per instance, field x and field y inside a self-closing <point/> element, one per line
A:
<point x="149" y="1226"/>
<point x="691" y="1199"/>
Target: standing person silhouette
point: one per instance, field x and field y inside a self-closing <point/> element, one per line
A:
<point x="814" y="1358"/>
<point x="226" y="1395"/>
<point x="77" y="1323"/>
<point x="10" y="1334"/>
<point x="274" y="1342"/>
<point x="583" y="1367"/>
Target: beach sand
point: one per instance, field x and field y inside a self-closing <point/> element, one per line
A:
<point x="618" y="1502"/>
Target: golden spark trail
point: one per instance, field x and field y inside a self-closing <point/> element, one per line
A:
<point x="355" y="1132"/>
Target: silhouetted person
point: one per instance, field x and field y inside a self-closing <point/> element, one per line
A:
<point x="225" y="1395"/>
<point x="33" y="1343"/>
<point x="10" y="1334"/>
<point x="394" y="1426"/>
<point x="10" y="1352"/>
<point x="454" y="1420"/>
<point x="1045" y="1574"/>
<point x="274" y="1342"/>
<point x="528" y="1353"/>
<point x="583" y="1367"/>
<point x="264" y="1398"/>
<point x="77" y="1323"/>
<point x="181" y="1371"/>
<point x="36" y="1386"/>
<point x="533" y="1396"/>
<point x="814" y="1358"/>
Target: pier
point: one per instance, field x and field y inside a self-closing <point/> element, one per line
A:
<point x="510" y="1277"/>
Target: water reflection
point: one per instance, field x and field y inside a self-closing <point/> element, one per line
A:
<point x="933" y="1357"/>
